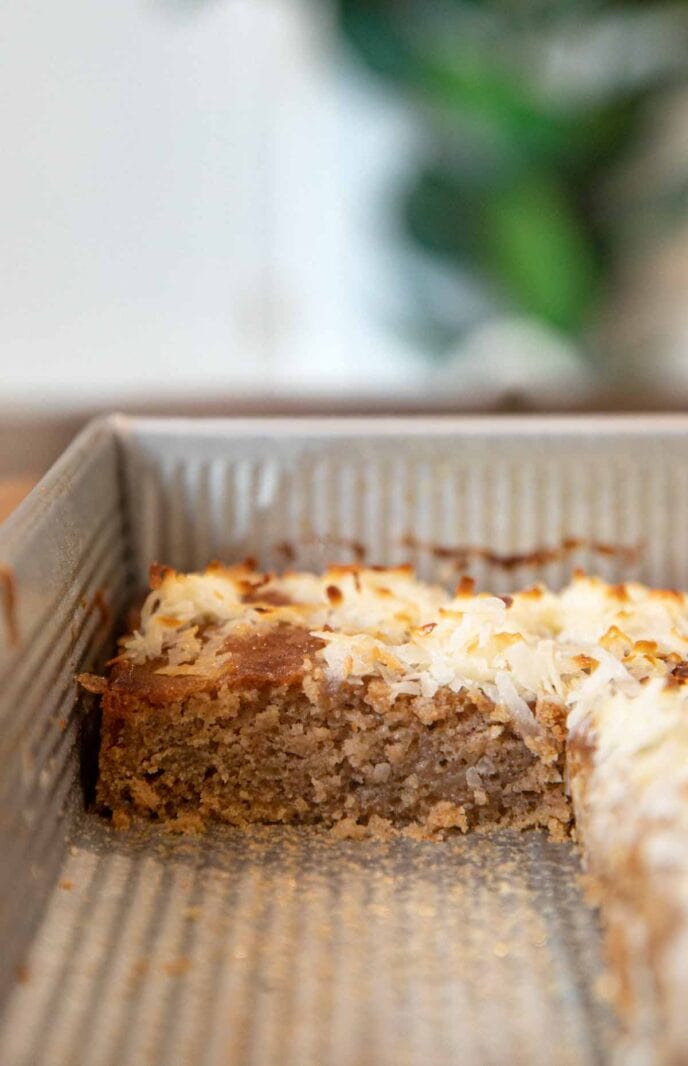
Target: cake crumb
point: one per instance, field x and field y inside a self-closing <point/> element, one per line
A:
<point x="120" y="819"/>
<point x="186" y="822"/>
<point x="138" y="971"/>
<point x="348" y="829"/>
<point x="177" y="967"/>
<point x="447" y="815"/>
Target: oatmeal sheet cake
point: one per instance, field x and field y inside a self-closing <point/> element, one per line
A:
<point x="357" y="698"/>
<point x="370" y="702"/>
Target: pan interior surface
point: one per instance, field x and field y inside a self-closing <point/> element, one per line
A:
<point x="284" y="946"/>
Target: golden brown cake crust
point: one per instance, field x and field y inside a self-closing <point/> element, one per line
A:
<point x="274" y="656"/>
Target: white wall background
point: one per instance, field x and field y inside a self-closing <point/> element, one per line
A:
<point x="189" y="197"/>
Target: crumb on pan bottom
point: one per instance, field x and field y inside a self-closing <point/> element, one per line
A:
<point x="346" y="758"/>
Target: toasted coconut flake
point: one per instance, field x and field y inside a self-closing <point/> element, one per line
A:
<point x="157" y="573"/>
<point x="646" y="647"/>
<point x="93" y="683"/>
<point x="586" y="662"/>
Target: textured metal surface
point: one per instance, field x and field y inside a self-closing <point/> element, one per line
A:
<point x="62" y="560"/>
<point x="283" y="948"/>
<point x="305" y="494"/>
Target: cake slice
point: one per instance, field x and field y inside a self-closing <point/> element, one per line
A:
<point x="627" y="755"/>
<point x="360" y="699"/>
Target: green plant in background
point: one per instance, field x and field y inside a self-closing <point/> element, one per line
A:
<point x="527" y="107"/>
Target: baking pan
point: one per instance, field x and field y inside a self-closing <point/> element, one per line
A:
<point x="280" y="946"/>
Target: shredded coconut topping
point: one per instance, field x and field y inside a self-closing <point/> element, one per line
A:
<point x="577" y="646"/>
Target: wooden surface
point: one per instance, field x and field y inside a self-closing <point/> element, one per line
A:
<point x="12" y="492"/>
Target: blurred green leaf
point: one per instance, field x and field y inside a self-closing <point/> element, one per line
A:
<point x="514" y="190"/>
<point x="534" y="243"/>
<point x="378" y="37"/>
<point x="475" y="85"/>
<point x="441" y="213"/>
<point x="524" y="236"/>
<point x="465" y="79"/>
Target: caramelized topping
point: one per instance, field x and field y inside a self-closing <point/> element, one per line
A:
<point x="273" y="656"/>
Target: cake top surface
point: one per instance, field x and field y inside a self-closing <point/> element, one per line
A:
<point x="418" y="637"/>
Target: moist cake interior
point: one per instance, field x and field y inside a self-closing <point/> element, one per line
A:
<point x="270" y="749"/>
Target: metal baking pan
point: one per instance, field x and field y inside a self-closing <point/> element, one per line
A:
<point x="281" y="946"/>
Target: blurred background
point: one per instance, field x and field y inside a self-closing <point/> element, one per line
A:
<point x="257" y="206"/>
